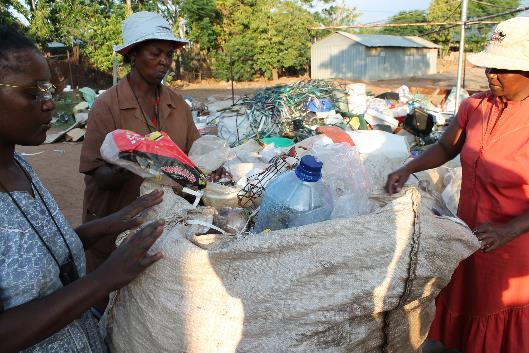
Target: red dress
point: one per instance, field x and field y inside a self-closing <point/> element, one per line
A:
<point x="485" y="308"/>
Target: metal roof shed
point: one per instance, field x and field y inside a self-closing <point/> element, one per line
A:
<point x="370" y="57"/>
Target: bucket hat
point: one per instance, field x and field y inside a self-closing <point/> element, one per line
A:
<point x="142" y="26"/>
<point x="507" y="47"/>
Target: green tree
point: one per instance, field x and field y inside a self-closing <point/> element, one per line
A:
<point x="413" y="16"/>
<point x="102" y="32"/>
<point x="450" y="10"/>
<point x="201" y="17"/>
<point x="339" y="15"/>
<point x="263" y="37"/>
<point x="283" y="37"/>
<point x="6" y="17"/>
<point x="235" y="40"/>
<point x="335" y="15"/>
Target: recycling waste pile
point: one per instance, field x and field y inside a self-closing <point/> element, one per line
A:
<point x="292" y="245"/>
<point x="71" y="114"/>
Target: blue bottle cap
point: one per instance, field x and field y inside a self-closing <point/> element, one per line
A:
<point x="309" y="169"/>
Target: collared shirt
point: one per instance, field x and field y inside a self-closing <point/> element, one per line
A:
<point x="495" y="156"/>
<point x="29" y="272"/>
<point x="117" y="108"/>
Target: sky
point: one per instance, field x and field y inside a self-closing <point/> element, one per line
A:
<point x="380" y="10"/>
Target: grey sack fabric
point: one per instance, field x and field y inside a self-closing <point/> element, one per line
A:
<point x="361" y="284"/>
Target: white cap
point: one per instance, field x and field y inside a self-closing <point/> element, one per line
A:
<point x="507" y="48"/>
<point x="142" y="26"/>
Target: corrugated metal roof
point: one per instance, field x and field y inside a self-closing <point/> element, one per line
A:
<point x="383" y="40"/>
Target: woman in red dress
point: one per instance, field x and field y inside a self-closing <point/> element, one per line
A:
<point x="485" y="308"/>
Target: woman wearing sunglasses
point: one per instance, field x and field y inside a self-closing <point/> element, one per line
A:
<point x="45" y="296"/>
<point x="139" y="103"/>
<point x="485" y="307"/>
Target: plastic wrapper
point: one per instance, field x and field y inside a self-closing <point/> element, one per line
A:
<point x="218" y="196"/>
<point x="231" y="220"/>
<point x="271" y="151"/>
<point x="152" y="156"/>
<point x="239" y="170"/>
<point x="210" y="152"/>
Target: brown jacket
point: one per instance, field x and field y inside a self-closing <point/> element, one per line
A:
<point x="118" y="109"/>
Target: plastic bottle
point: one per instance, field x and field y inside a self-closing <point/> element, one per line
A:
<point x="295" y="198"/>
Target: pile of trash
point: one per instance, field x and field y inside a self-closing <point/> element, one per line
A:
<point x="72" y="119"/>
<point x="296" y="110"/>
<point x="358" y="138"/>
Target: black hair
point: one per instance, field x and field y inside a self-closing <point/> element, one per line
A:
<point x="12" y="42"/>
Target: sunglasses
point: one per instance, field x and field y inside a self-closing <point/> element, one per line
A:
<point x="493" y="71"/>
<point x="45" y="90"/>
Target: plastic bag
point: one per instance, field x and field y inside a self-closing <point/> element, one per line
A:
<point x="248" y="152"/>
<point x="381" y="153"/>
<point x="210" y="152"/>
<point x="451" y="193"/>
<point x="151" y="156"/>
<point x="404" y="93"/>
<point x="89" y="95"/>
<point x="356" y="98"/>
<point x="346" y="178"/>
<point x="450" y="103"/>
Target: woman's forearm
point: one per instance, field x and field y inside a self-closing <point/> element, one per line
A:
<point x="520" y="224"/>
<point x="433" y="157"/>
<point x="110" y="177"/>
<point x="445" y="149"/>
<point x="30" y="323"/>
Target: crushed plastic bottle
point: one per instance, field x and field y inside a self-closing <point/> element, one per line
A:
<point x="295" y="198"/>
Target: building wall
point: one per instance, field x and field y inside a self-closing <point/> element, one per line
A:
<point x="390" y="62"/>
<point x="339" y="57"/>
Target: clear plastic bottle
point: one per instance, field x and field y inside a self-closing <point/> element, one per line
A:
<point x="295" y="198"/>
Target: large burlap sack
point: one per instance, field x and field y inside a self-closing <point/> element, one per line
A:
<point x="362" y="284"/>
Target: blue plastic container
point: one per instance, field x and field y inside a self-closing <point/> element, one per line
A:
<point x="295" y="198"/>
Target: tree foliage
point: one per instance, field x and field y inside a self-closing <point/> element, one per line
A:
<point x="450" y="10"/>
<point x="414" y="16"/>
<point x="258" y="37"/>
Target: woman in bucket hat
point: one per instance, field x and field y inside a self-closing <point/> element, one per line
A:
<point x="485" y="307"/>
<point x="139" y="103"/>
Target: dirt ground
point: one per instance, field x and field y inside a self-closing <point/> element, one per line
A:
<point x="57" y="164"/>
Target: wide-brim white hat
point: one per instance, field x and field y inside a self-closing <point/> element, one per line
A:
<point x="507" y="48"/>
<point x="142" y="26"/>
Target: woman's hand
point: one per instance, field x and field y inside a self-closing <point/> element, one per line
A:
<point x="130" y="258"/>
<point x="397" y="179"/>
<point x="127" y="217"/>
<point x="492" y="235"/>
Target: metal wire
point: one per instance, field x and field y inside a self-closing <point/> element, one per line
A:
<point x="271" y="110"/>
